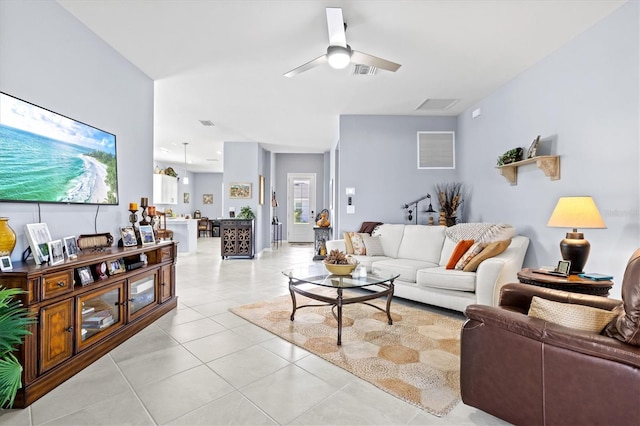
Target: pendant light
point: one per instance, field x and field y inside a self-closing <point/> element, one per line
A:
<point x="186" y="178"/>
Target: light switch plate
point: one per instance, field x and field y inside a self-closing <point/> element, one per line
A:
<point x="351" y="209"/>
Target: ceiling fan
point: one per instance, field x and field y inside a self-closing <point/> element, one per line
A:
<point x="339" y="53"/>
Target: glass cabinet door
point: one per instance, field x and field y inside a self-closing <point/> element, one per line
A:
<point x="99" y="313"/>
<point x="142" y="293"/>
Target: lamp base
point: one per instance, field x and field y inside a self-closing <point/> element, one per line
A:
<point x="575" y="249"/>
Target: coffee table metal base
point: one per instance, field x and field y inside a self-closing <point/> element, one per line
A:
<point x="339" y="301"/>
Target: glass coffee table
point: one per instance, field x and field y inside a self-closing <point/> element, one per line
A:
<point x="303" y="280"/>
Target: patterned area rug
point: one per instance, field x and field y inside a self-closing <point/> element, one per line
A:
<point x="415" y="359"/>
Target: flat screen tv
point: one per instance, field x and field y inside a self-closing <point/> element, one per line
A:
<point x="46" y="157"/>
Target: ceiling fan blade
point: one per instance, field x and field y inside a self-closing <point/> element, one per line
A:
<point x="311" y="64"/>
<point x="374" y="61"/>
<point x="335" y="25"/>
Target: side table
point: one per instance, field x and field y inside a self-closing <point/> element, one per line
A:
<point x="572" y="283"/>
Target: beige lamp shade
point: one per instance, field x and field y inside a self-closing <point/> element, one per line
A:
<point x="576" y="212"/>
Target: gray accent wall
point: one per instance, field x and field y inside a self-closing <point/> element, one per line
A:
<point x="583" y="101"/>
<point x="298" y="163"/>
<point x="378" y="157"/>
<point x="50" y="59"/>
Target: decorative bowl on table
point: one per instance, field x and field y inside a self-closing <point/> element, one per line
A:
<point x="341" y="269"/>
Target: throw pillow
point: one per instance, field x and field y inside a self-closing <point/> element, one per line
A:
<point x="357" y="243"/>
<point x="373" y="245"/>
<point x="460" y="249"/>
<point x="347" y="242"/>
<point x="493" y="249"/>
<point x="580" y="317"/>
<point x="473" y="251"/>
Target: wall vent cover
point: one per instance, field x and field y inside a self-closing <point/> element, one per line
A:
<point x="437" y="104"/>
<point x="207" y="123"/>
<point x="436" y="150"/>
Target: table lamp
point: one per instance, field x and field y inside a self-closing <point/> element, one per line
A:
<point x="576" y="212"/>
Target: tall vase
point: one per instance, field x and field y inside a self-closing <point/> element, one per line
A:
<point x="7" y="237"/>
<point x="450" y="220"/>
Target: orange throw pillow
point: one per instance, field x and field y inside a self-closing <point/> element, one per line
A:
<point x="461" y="248"/>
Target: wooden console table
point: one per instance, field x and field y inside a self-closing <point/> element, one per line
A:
<point x="572" y="283"/>
<point x="81" y="317"/>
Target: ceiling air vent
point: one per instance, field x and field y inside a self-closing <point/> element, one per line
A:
<point x="361" y="69"/>
<point x="437" y="104"/>
<point x="207" y="123"/>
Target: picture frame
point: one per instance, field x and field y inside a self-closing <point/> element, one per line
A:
<point x="564" y="266"/>
<point x="261" y="190"/>
<point x="71" y="247"/>
<point x="116" y="266"/>
<point x="84" y="275"/>
<point x="207" y="198"/>
<point x="185" y="197"/>
<point x="533" y="148"/>
<point x="56" y="252"/>
<point x="38" y="236"/>
<point x="128" y="235"/>
<point x="146" y="235"/>
<point x="239" y="190"/>
<point x="5" y="263"/>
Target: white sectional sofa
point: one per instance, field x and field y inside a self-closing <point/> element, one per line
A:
<point x="419" y="253"/>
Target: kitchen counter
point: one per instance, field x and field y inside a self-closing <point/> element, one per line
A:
<point x="185" y="232"/>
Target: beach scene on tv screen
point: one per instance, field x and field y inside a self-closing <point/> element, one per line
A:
<point x="47" y="157"/>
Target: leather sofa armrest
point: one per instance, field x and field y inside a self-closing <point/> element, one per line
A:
<point x="517" y="297"/>
<point x="553" y="334"/>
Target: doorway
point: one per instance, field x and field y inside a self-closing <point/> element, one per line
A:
<point x="301" y="207"/>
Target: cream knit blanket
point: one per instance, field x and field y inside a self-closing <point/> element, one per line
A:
<point x="480" y="232"/>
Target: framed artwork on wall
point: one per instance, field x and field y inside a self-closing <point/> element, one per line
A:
<point x="239" y="190"/>
<point x="185" y="198"/>
<point x="207" y="199"/>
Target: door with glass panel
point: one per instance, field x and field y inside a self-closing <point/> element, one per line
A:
<point x="301" y="207"/>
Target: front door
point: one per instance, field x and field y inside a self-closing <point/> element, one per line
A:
<point x="301" y="207"/>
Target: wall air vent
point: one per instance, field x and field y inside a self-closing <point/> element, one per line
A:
<point x="207" y="123"/>
<point x="436" y="150"/>
<point x="437" y="104"/>
<point x="361" y="69"/>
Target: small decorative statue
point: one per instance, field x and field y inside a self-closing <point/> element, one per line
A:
<point x="323" y="222"/>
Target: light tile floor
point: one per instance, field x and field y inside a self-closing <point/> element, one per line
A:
<point x="202" y="365"/>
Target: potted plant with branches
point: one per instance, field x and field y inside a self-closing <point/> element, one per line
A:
<point x="14" y="326"/>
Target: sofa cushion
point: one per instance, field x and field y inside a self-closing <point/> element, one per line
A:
<point x="347" y="242"/>
<point x="390" y="236"/>
<point x="481" y="232"/>
<point x="407" y="268"/>
<point x="422" y="242"/>
<point x="460" y="249"/>
<point x="473" y="251"/>
<point x="580" y="317"/>
<point x="357" y="243"/>
<point x="493" y="249"/>
<point x="373" y="245"/>
<point x="452" y="279"/>
<point x="367" y="261"/>
<point x="447" y="249"/>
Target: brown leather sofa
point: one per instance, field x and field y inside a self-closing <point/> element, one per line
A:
<point x="531" y="372"/>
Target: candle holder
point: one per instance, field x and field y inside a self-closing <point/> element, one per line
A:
<point x="133" y="218"/>
<point x="145" y="220"/>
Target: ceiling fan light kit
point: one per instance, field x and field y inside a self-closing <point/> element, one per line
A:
<point x="339" y="54"/>
<point x="339" y="57"/>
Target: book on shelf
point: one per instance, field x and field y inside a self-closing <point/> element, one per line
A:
<point x="97" y="319"/>
<point x="142" y="287"/>
<point x="88" y="310"/>
<point x="98" y="326"/>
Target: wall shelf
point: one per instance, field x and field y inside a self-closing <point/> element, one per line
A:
<point x="549" y="164"/>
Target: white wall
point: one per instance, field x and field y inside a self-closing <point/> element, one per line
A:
<point x="583" y="100"/>
<point x="48" y="58"/>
